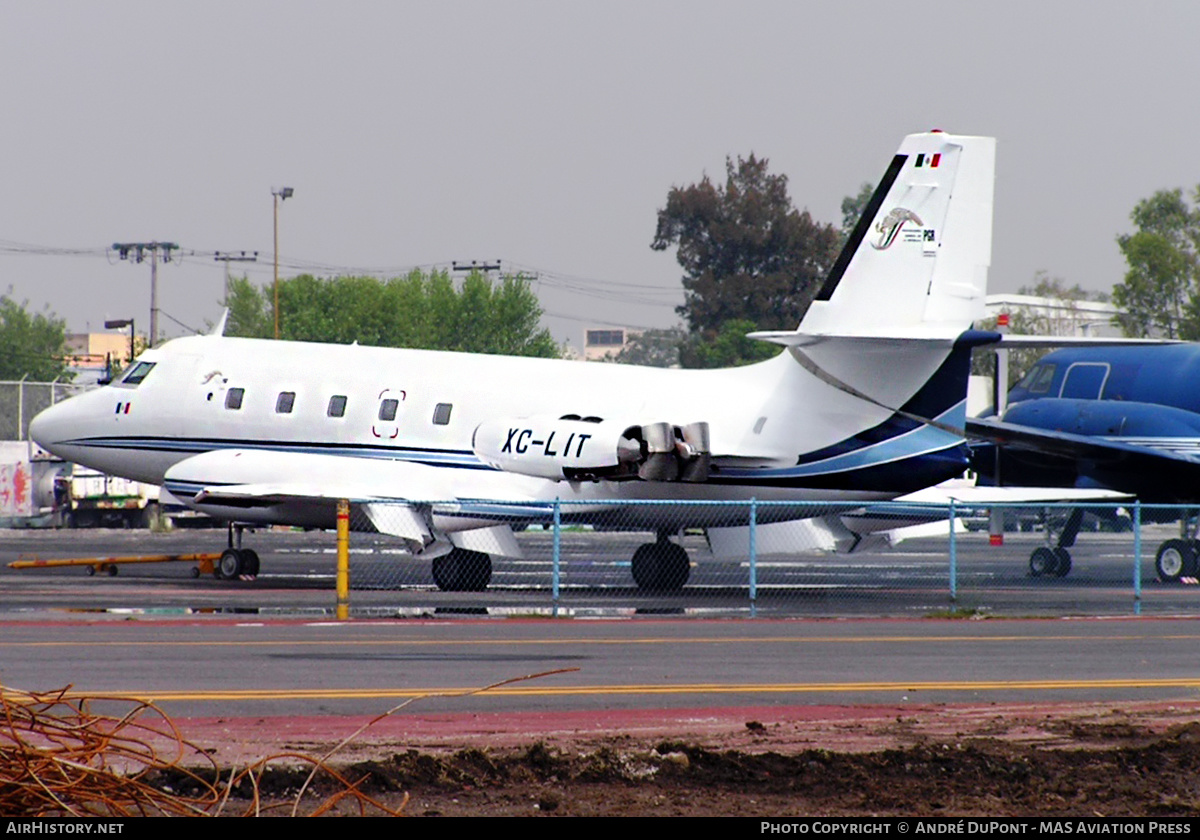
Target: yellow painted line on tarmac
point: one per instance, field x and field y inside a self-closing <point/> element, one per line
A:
<point x="650" y="640"/>
<point x="612" y="690"/>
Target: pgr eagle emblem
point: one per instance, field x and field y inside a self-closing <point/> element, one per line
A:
<point x="889" y="226"/>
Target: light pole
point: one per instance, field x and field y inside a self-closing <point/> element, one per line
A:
<point x="278" y="193"/>
<point x="120" y="324"/>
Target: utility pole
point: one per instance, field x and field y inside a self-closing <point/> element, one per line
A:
<point x="138" y="251"/>
<point x="486" y="267"/>
<point x="227" y="258"/>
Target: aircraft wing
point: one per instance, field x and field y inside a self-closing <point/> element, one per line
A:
<point x="253" y="478"/>
<point x="1000" y="496"/>
<point x="1135" y="467"/>
<point x="413" y="501"/>
<point x="1107" y="450"/>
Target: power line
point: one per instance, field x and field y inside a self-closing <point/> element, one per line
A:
<point x="645" y="294"/>
<point x="191" y="329"/>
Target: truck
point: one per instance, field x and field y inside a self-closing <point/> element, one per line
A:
<point x="85" y="498"/>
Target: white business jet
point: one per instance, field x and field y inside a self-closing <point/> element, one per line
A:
<point x="449" y="450"/>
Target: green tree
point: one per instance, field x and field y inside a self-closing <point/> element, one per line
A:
<point x="727" y="348"/>
<point x="1159" y="295"/>
<point x="1056" y="287"/>
<point x="421" y="309"/>
<point x="34" y="346"/>
<point x="651" y="348"/>
<point x="249" y="310"/>
<point x="853" y="207"/>
<point x="746" y="252"/>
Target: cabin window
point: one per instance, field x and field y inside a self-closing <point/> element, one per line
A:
<point x="441" y="414"/>
<point x="233" y="398"/>
<point x="337" y="406"/>
<point x="387" y="409"/>
<point x="139" y="372"/>
<point x="285" y="402"/>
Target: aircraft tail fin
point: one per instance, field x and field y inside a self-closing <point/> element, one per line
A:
<point x="916" y="263"/>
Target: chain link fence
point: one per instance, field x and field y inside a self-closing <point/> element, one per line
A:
<point x="776" y="559"/>
<point x="21" y="401"/>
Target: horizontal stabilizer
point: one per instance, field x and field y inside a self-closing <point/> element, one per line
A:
<point x="796" y="338"/>
<point x="1042" y="342"/>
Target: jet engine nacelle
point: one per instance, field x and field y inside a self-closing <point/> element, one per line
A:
<point x="589" y="448"/>
<point x="1109" y="418"/>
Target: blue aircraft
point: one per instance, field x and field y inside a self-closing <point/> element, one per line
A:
<point x="1122" y="418"/>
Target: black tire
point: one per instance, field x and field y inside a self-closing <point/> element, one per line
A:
<point x="443" y="578"/>
<point x="250" y="563"/>
<point x="112" y="570"/>
<point x="462" y="571"/>
<point x="229" y="567"/>
<point x="1175" y="559"/>
<point x="660" y="566"/>
<point x="1042" y="562"/>
<point x="1063" y="567"/>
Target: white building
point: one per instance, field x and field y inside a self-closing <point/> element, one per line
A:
<point x="1056" y="316"/>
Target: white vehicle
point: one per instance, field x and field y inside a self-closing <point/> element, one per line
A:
<point x="449" y="450"/>
<point x="86" y="498"/>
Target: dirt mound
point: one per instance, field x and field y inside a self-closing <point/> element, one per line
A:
<point x="1147" y="774"/>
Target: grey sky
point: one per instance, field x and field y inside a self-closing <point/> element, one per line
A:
<point x="548" y="133"/>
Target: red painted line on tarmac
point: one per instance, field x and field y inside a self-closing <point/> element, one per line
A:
<point x="249" y="738"/>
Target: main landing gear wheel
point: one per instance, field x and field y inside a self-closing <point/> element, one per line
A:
<point x="661" y="566"/>
<point x="250" y="564"/>
<point x="229" y="566"/>
<point x="1049" y="562"/>
<point x="462" y="571"/>
<point x="1064" y="562"/>
<point x="1175" y="559"/>
<point x="236" y="563"/>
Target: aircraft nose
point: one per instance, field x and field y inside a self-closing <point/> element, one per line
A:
<point x="46" y="428"/>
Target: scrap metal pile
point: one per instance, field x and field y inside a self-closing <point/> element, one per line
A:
<point x="64" y="754"/>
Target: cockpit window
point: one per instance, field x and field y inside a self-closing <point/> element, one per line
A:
<point x="139" y="372"/>
<point x="1045" y="376"/>
<point x="1038" y="380"/>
